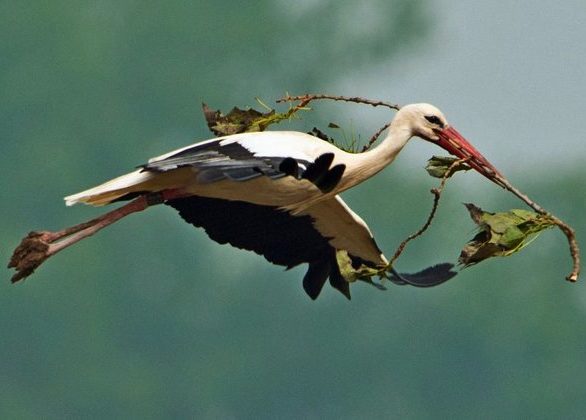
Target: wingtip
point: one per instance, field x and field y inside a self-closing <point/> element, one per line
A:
<point x="315" y="278"/>
<point x="429" y="277"/>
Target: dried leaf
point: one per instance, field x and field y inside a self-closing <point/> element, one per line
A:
<point x="316" y="132"/>
<point x="236" y="121"/>
<point x="437" y="166"/>
<point x="246" y="120"/>
<point x="501" y="234"/>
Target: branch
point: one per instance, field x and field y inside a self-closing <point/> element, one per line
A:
<point x="437" y="192"/>
<point x="308" y="97"/>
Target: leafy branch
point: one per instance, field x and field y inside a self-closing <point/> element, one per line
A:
<point x="564" y="227"/>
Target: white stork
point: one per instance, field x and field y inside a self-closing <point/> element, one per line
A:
<point x="274" y="193"/>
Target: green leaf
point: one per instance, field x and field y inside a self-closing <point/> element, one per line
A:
<point x="437" y="166"/>
<point x="501" y="234"/>
<point x="352" y="274"/>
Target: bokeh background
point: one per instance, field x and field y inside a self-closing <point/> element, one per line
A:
<point x="150" y="319"/>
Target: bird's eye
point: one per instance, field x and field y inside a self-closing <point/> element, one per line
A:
<point x="434" y="119"/>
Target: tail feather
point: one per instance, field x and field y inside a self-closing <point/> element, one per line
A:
<point x="109" y="191"/>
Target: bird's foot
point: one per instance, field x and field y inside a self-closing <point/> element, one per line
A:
<point x="33" y="250"/>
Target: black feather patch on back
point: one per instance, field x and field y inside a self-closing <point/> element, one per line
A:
<point x="290" y="167"/>
<point x="329" y="181"/>
<point x="321" y="175"/>
<point x="319" y="168"/>
<point x="281" y="238"/>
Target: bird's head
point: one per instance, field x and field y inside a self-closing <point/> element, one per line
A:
<point x="429" y="123"/>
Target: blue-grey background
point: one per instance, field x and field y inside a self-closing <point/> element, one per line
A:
<point x="150" y="319"/>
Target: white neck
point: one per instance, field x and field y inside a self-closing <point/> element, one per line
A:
<point x="362" y="166"/>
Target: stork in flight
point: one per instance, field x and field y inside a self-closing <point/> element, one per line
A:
<point x="274" y="193"/>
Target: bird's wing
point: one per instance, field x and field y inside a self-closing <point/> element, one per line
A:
<point x="287" y="239"/>
<point x="250" y="155"/>
<point x="346" y="230"/>
<point x="217" y="160"/>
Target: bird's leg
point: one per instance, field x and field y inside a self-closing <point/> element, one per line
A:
<point x="38" y="246"/>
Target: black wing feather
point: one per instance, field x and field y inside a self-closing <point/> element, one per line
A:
<point x="318" y="169"/>
<point x="216" y="161"/>
<point x="315" y="278"/>
<point x="281" y="238"/>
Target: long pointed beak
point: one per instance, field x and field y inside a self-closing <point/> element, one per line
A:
<point x="457" y="145"/>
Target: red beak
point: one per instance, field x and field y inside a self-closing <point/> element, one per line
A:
<point x="457" y="145"/>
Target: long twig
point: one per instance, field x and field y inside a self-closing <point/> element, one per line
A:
<point x="437" y="192"/>
<point x="308" y="97"/>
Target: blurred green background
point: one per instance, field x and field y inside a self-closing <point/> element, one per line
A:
<point x="150" y="319"/>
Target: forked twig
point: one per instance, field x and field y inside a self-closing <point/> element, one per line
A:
<point x="304" y="100"/>
<point x="437" y="192"/>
